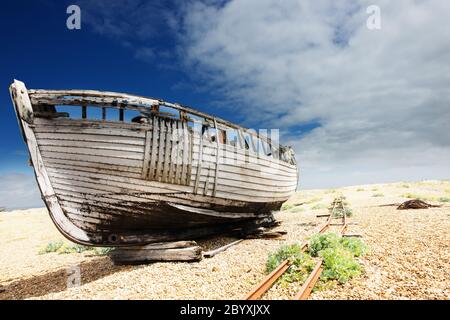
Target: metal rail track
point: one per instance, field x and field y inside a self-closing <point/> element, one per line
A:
<point x="259" y="290"/>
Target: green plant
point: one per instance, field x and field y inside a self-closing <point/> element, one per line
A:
<point x="319" y="206"/>
<point x="51" y="247"/>
<point x="339" y="264"/>
<point x="301" y="263"/>
<point x="101" y="251"/>
<point x="407" y="186"/>
<point x="347" y="211"/>
<point x="338" y="256"/>
<point x="411" y="196"/>
<point x="360" y="189"/>
<point x="301" y="267"/>
<point x="73" y="248"/>
<point x="444" y="199"/>
<point x="64" y="248"/>
<point x="375" y="195"/>
<point x="297" y="209"/>
<point x="419" y="197"/>
<point x="356" y="246"/>
<point x="283" y="253"/>
<point x="321" y="241"/>
<point x="312" y="200"/>
<point x="286" y="207"/>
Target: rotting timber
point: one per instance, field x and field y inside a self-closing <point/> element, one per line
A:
<point x="130" y="170"/>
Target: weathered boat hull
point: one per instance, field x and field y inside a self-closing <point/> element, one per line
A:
<point x="117" y="183"/>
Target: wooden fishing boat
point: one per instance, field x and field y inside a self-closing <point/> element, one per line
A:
<point x="124" y="170"/>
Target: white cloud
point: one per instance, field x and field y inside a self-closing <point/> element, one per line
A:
<point x="18" y="191"/>
<point x="382" y="97"/>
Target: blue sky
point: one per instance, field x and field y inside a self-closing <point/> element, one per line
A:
<point x="39" y="50"/>
<point x="358" y="105"/>
<point x="42" y="52"/>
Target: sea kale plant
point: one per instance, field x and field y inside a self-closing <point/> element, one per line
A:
<point x="64" y="248"/>
<point x="301" y="263"/>
<point x="338" y="253"/>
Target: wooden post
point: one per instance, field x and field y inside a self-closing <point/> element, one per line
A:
<point x="163" y="251"/>
<point x="84" y="112"/>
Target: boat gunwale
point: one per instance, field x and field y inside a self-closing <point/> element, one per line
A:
<point x="131" y="101"/>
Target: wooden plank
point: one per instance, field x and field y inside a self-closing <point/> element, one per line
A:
<point x="91" y="158"/>
<point x="212" y="253"/>
<point x="167" y="151"/>
<point x="179" y="149"/>
<point x="132" y="172"/>
<point x="91" y="166"/>
<point x="147" y="155"/>
<point x="24" y="109"/>
<point x="71" y="145"/>
<point x="89" y="130"/>
<point x="107" y="207"/>
<point x="154" y="151"/>
<point x="256" y="167"/>
<point x="145" y="255"/>
<point x="160" y="153"/>
<point x="206" y="184"/>
<point x="128" y="155"/>
<point x="101" y="221"/>
<point x="182" y="234"/>
<point x="115" y="187"/>
<point x="122" y="181"/>
<point x="163" y="245"/>
<point x="91" y="123"/>
<point x="50" y="114"/>
<point x="191" y="152"/>
<point x="185" y="157"/>
<point x="118" y="203"/>
<point x="112" y="99"/>
<point x="115" y="184"/>
<point x="199" y="167"/>
<point x="231" y="153"/>
<point x="89" y="170"/>
<point x="84" y="226"/>
<point x="80" y="137"/>
<point x="217" y="159"/>
<point x="172" y="151"/>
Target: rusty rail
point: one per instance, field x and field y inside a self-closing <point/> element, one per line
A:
<point x="307" y="287"/>
<point x="258" y="291"/>
<point x="268" y="281"/>
<point x="310" y="282"/>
